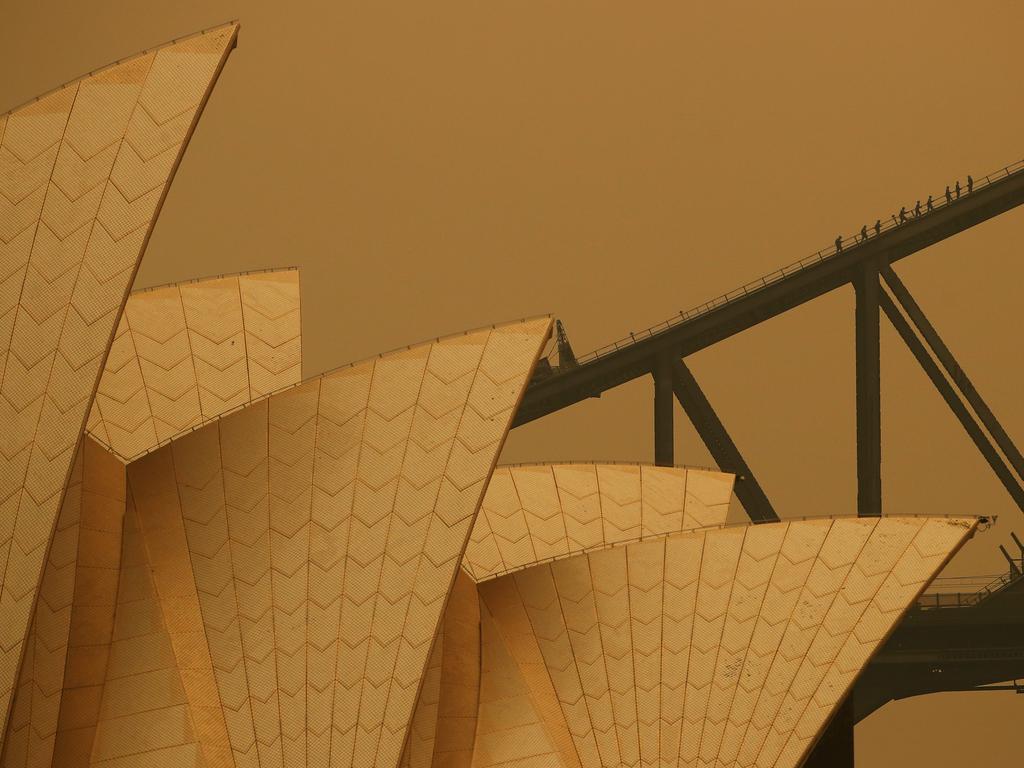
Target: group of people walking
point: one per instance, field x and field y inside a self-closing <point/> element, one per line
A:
<point x="951" y="195"/>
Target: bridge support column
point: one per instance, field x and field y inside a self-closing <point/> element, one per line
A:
<point x="664" y="429"/>
<point x="869" y="401"/>
<point x="835" y="748"/>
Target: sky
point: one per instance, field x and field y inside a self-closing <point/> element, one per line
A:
<point x="433" y="167"/>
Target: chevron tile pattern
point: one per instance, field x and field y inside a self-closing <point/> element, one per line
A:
<point x="186" y="354"/>
<point x="83" y="172"/>
<point x="236" y="569"/>
<point x="536" y="513"/>
<point x="307" y="543"/>
<point x="722" y="648"/>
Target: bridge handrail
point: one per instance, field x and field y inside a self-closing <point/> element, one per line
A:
<point x="932" y="600"/>
<point x="771" y="278"/>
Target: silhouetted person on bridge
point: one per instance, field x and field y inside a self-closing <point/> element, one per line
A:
<point x="930" y="206"/>
<point x="878" y="226"/>
<point x="839" y="244"/>
<point x="958" y="189"/>
<point x="917" y="209"/>
<point x="903" y="214"/>
<point x="949" y="197"/>
<point x="970" y="184"/>
<point x="864" y="233"/>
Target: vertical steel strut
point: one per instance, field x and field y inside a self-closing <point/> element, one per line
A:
<point x="869" y="405"/>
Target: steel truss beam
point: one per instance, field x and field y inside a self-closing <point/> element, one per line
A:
<point x="592" y="377"/>
<point x="956" y="373"/>
<point x="723" y="450"/>
<point x="956" y="405"/>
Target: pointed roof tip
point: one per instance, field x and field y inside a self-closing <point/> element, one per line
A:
<point x="95" y="112"/>
<point x="425" y="524"/>
<point x="232" y="27"/>
<point x="236" y="23"/>
<point x="497" y="326"/>
<point x="228" y="29"/>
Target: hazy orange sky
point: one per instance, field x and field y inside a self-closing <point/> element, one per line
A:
<point x="438" y="166"/>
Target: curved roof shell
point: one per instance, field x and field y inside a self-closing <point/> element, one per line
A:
<point x="188" y="353"/>
<point x="83" y="173"/>
<point x="236" y="569"/>
<point x="302" y="549"/>
<point x="726" y="647"/>
<point x="538" y="512"/>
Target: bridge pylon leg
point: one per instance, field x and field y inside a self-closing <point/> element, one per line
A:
<point x="869" y="401"/>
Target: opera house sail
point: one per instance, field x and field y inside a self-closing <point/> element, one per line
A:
<point x="209" y="560"/>
<point x="83" y="172"/>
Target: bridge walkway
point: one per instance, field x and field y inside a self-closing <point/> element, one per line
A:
<point x="558" y="383"/>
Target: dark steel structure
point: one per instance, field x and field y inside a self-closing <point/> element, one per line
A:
<point x="950" y="641"/>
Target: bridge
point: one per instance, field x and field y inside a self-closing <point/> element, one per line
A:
<point x="961" y="635"/>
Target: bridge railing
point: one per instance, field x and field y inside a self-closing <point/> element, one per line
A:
<point x="964" y="591"/>
<point x="939" y="202"/>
